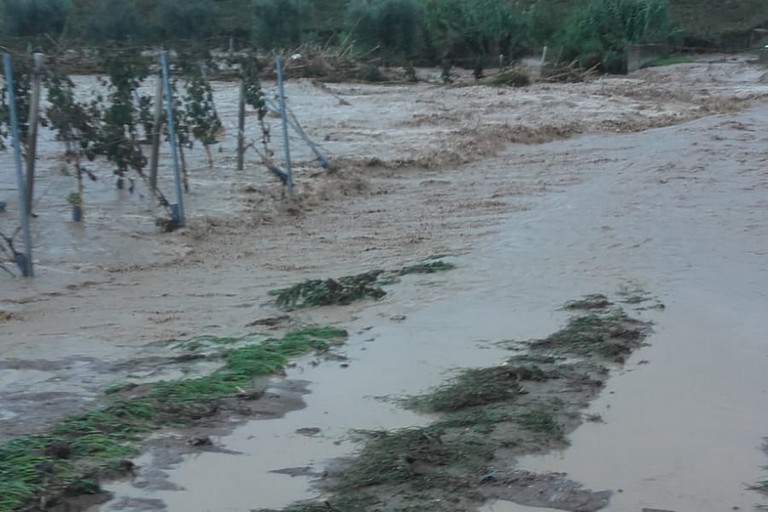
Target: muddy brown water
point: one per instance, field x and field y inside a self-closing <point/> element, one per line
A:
<point x="668" y="211"/>
<point x="677" y="211"/>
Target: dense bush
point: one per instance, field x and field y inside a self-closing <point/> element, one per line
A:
<point x="464" y="31"/>
<point x="392" y="26"/>
<point x="452" y="32"/>
<point x="279" y="23"/>
<point x="186" y="19"/>
<point x="601" y="33"/>
<point x="23" y="18"/>
<point x="114" y="20"/>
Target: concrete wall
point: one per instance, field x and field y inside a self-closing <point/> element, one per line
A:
<point x="642" y="54"/>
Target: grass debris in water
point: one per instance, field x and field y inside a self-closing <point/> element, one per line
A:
<point x="327" y="292"/>
<point x="487" y="417"/>
<point x="608" y="334"/>
<point x="427" y="267"/>
<point x="70" y="458"/>
<point x="477" y="386"/>
<point x="348" y="289"/>
<point x="593" y="301"/>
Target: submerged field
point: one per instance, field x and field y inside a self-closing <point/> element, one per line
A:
<point x="465" y="374"/>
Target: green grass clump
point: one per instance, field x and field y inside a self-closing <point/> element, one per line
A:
<point x="594" y="418"/>
<point x="413" y="455"/>
<point x="540" y="421"/>
<point x="327" y="292"/>
<point x="242" y="365"/>
<point x="600" y="33"/>
<point x="592" y="301"/>
<point x="348" y="289"/>
<point x="70" y="457"/>
<point x="610" y="335"/>
<point x="475" y="387"/>
<point x="761" y="487"/>
<point x="426" y="267"/>
<point x="479" y="420"/>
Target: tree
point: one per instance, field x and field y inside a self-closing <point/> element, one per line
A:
<point x="483" y="29"/>
<point x="114" y="20"/>
<point x="279" y="23"/>
<point x="187" y="19"/>
<point x="26" y="18"/>
<point x="118" y="137"/>
<point x="75" y="123"/>
<point x="600" y="34"/>
<point x="392" y="26"/>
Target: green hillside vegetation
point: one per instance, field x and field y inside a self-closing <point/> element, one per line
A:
<point x="419" y="32"/>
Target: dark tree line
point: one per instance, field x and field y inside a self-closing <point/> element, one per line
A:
<point x="467" y="33"/>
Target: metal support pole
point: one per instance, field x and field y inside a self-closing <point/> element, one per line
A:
<point x="241" y="126"/>
<point x="34" y="110"/>
<point x="179" y="213"/>
<point x="284" y="116"/>
<point x="157" y="133"/>
<point x="25" y="265"/>
<point x="293" y="122"/>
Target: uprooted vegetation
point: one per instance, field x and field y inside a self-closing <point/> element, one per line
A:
<point x="72" y="457"/>
<point x="348" y="289"/>
<point x="488" y="417"/>
<point x="325" y="292"/>
<point x="611" y="335"/>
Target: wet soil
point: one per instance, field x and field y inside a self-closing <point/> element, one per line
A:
<point x="586" y="201"/>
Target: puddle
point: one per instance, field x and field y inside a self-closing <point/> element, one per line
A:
<point x="390" y="359"/>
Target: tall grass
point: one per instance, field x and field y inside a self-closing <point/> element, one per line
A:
<point x="433" y="30"/>
<point x="601" y="33"/>
<point x="484" y="29"/>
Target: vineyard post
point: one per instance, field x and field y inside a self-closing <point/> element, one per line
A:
<point x="241" y="125"/>
<point x="25" y="262"/>
<point x="179" y="211"/>
<point x="157" y="130"/>
<point x="34" y="110"/>
<point x="284" y="115"/>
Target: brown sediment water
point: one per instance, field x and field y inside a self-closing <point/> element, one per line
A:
<point x="678" y="212"/>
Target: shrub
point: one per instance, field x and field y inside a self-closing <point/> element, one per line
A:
<point x="485" y="29"/>
<point x="187" y="19"/>
<point x="114" y="20"/>
<point x="602" y="32"/>
<point x="392" y="26"/>
<point x="279" y="23"/>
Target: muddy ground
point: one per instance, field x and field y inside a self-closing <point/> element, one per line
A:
<point x="540" y="194"/>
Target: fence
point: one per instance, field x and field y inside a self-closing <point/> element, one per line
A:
<point x="90" y="137"/>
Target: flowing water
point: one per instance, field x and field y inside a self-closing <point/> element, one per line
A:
<point x="679" y="212"/>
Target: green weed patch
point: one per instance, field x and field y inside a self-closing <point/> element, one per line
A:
<point x="488" y="416"/>
<point x="609" y="335"/>
<point x="348" y="289"/>
<point x="71" y="457"/>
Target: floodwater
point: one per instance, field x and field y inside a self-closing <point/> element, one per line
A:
<point x="679" y="211"/>
<point x="391" y="359"/>
<point x="682" y="212"/>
